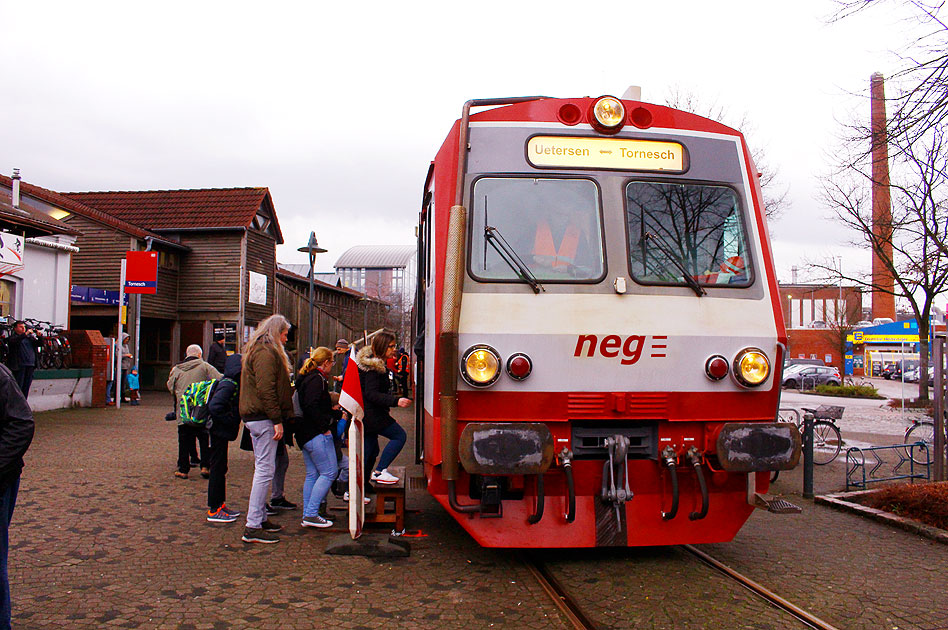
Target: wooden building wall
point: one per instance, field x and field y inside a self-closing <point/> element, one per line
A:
<point x="210" y="272"/>
<point x="101" y="248"/>
<point x="261" y="258"/>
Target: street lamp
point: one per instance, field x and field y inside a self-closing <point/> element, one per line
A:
<point x="312" y="248"/>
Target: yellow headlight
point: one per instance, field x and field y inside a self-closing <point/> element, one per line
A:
<point x="609" y="112"/>
<point x="481" y="366"/>
<point x="752" y="367"/>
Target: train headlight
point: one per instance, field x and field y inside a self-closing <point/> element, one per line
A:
<point x="480" y="366"/>
<point x="751" y="367"/>
<point x="608" y="114"/>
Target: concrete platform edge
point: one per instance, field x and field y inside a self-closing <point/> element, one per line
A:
<point x="839" y="501"/>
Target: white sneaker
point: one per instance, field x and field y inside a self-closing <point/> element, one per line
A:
<point x="383" y="476"/>
<point x="345" y="497"/>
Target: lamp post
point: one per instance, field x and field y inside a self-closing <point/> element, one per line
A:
<point x="312" y="248"/>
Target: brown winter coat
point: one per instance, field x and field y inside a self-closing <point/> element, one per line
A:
<point x="265" y="390"/>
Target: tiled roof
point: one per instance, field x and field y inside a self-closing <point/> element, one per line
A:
<point x="76" y="207"/>
<point x="376" y="257"/>
<point x="35" y="222"/>
<point x="163" y="210"/>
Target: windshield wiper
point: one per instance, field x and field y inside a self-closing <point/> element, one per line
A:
<point x="688" y="278"/>
<point x="496" y="240"/>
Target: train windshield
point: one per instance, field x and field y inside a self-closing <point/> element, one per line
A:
<point x="693" y="228"/>
<point x="546" y="230"/>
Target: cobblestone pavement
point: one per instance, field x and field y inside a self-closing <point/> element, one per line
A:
<point x="104" y="536"/>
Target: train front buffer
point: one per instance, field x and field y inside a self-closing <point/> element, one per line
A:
<point x="568" y="484"/>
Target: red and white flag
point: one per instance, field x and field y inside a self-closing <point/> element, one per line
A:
<point x="350" y="399"/>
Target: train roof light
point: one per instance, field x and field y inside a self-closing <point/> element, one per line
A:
<point x="480" y="366"/>
<point x="751" y="367"/>
<point x="608" y="114"/>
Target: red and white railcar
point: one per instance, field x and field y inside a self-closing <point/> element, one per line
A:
<point x="601" y="324"/>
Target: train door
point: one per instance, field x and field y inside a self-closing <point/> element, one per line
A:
<point x="419" y="311"/>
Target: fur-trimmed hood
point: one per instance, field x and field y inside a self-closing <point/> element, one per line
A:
<point x="367" y="361"/>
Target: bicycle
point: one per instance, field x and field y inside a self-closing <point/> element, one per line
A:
<point x="827" y="439"/>
<point x="922" y="431"/>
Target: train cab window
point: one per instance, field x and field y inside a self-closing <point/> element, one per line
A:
<point x="693" y="229"/>
<point x="550" y="229"/>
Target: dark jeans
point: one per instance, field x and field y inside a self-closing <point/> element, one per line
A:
<point x="24" y="378"/>
<point x="216" y="484"/>
<point x="396" y="440"/>
<point x="7" y="503"/>
<point x="186" y="436"/>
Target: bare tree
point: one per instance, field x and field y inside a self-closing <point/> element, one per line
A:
<point x="915" y="236"/>
<point x="921" y="100"/>
<point x="774" y="192"/>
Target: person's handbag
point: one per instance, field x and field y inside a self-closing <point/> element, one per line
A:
<point x="297" y="408"/>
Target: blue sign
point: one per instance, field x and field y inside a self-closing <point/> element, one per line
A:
<point x="95" y="296"/>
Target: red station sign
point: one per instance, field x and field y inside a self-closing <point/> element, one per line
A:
<point x="141" y="272"/>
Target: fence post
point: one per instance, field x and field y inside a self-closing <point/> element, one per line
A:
<point x="938" y="347"/>
<point x="807" y="455"/>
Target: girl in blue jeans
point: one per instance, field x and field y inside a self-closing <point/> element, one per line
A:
<point x="376" y="401"/>
<point x="314" y="433"/>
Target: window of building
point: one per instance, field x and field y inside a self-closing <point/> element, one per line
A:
<point x="229" y="330"/>
<point x="167" y="260"/>
<point x="7" y="298"/>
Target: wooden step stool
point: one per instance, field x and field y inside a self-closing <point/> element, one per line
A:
<point x="385" y="493"/>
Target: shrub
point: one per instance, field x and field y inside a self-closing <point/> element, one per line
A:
<point x="849" y="391"/>
<point x="926" y="502"/>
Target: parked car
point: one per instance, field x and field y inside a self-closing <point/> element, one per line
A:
<point x="862" y="324"/>
<point x="818" y="323"/>
<point x="811" y="376"/>
<point x="802" y="361"/>
<point x="911" y="376"/>
<point x="881" y="320"/>
<point x="893" y="371"/>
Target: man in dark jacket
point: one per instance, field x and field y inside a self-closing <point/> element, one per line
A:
<point x="21" y="358"/>
<point x="217" y="354"/>
<point x="16" y="434"/>
<point x="223" y="427"/>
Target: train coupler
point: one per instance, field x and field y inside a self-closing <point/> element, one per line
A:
<point x="615" y="474"/>
<point x="768" y="502"/>
<point x="492" y="505"/>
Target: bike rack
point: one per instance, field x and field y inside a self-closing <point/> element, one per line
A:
<point x="856" y="463"/>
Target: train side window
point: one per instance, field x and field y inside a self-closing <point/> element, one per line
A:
<point x="686" y="227"/>
<point x="552" y="226"/>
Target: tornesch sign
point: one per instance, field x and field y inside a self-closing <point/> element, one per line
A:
<point x="606" y="153"/>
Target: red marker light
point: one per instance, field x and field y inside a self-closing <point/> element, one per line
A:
<point x="716" y="368"/>
<point x="519" y="366"/>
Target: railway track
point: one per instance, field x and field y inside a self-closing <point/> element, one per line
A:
<point x="579" y="620"/>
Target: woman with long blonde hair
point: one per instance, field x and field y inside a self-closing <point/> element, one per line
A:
<point x="314" y="433"/>
<point x="266" y="400"/>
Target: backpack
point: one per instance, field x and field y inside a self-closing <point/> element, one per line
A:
<point x="193" y="407"/>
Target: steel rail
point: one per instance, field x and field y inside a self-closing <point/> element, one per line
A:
<point x="773" y="598"/>
<point x="561" y="599"/>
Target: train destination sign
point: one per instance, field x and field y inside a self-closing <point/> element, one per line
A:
<point x="609" y="153"/>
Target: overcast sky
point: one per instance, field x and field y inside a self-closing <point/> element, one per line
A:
<point x="339" y="109"/>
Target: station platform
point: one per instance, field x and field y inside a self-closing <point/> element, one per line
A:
<point x="104" y="536"/>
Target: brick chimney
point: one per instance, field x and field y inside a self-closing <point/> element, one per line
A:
<point x="883" y="304"/>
